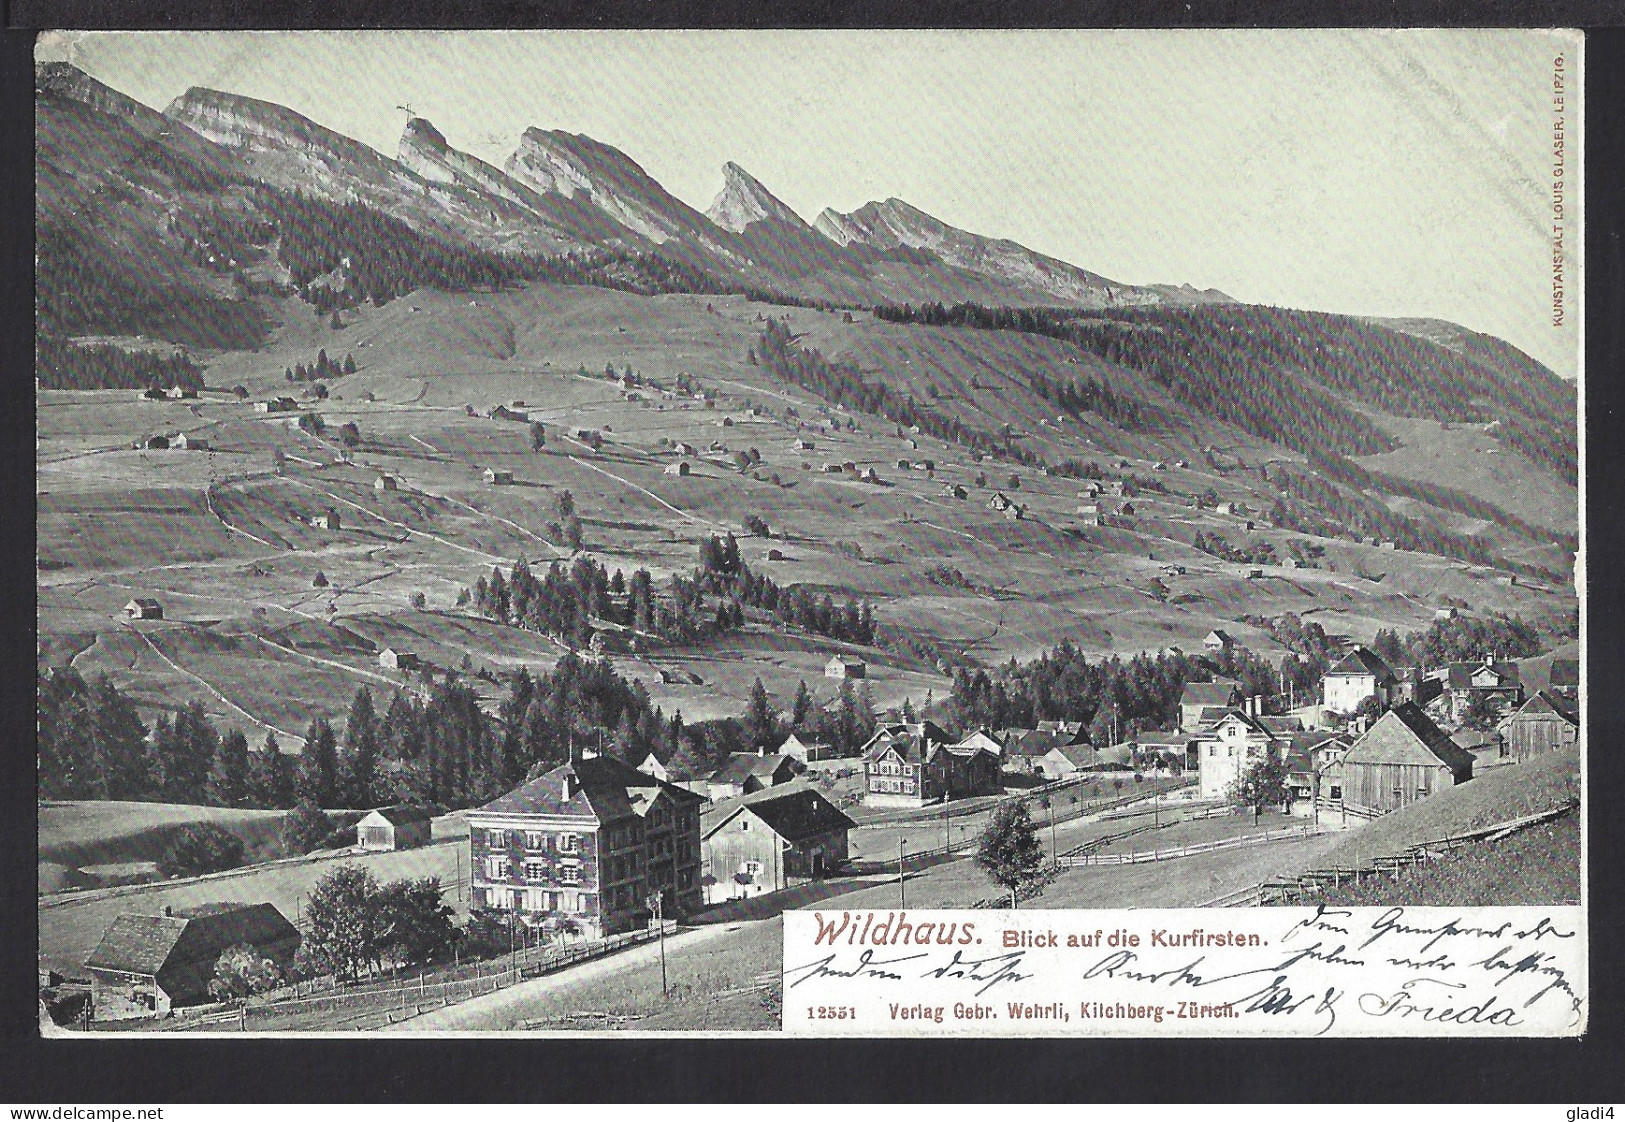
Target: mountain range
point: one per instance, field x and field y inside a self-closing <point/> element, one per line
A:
<point x="190" y="225"/>
<point x="561" y="193"/>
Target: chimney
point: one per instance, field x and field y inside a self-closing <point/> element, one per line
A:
<point x="169" y="913"/>
<point x="571" y="784"/>
<point x="761" y="750"/>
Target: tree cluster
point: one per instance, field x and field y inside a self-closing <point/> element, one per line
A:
<point x="63" y="365"/>
<point x="1462" y="639"/>
<point x="320" y="370"/>
<point x="354" y="926"/>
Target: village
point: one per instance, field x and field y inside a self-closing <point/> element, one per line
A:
<point x="596" y="855"/>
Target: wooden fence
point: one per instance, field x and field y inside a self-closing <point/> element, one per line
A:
<point x="1305" y="887"/>
<point x="1286" y="833"/>
<point x="374" y="1005"/>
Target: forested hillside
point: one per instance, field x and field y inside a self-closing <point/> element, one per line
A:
<point x="1268" y="370"/>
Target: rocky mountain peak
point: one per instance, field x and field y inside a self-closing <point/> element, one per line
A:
<point x="551" y="161"/>
<point x="743" y="200"/>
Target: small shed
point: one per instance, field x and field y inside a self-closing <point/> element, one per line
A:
<point x="1218" y="640"/>
<point x="1542" y="724"/>
<point x="327" y="520"/>
<point x="386" y="483"/>
<point x="190" y="443"/>
<point x="679" y="468"/>
<point x="775" y="555"/>
<point x="845" y="666"/>
<point x="498" y="478"/>
<point x="154" y="443"/>
<point x="143" y="607"/>
<point x="391" y="659"/>
<point x="393" y="827"/>
<point x="802" y="444"/>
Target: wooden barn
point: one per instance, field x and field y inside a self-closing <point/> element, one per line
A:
<point x="1401" y="759"/>
<point x="498" y="478"/>
<point x="770" y="841"/>
<point x="145" y="965"/>
<point x="394" y="827"/>
<point x="1542" y="724"/>
<point x="144" y="607"/>
<point x="391" y="659"/>
<point x="845" y="666"/>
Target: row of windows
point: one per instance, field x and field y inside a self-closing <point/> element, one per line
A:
<point x="886" y="767"/>
<point x="533" y="900"/>
<point x="499" y="867"/>
<point x="534" y="841"/>
<point x="898" y="786"/>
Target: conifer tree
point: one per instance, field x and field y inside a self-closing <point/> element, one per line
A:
<point x="319" y="764"/>
<point x="228" y="777"/>
<point x="361" y="742"/>
<point x="760" y="721"/>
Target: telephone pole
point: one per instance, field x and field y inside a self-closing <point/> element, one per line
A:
<point x="902" y="891"/>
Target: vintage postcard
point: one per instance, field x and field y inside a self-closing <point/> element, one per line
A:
<point x="896" y="533"/>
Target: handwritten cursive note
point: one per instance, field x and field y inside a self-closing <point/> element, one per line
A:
<point x="1250" y="972"/>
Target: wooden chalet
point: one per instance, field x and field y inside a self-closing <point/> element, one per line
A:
<point x="912" y="764"/>
<point x="1466" y="681"/>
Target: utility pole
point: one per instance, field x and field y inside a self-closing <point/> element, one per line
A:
<point x="657" y="912"/>
<point x="902" y="892"/>
<point x="1053" y="859"/>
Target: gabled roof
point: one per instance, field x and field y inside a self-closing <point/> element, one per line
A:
<point x="1280" y="726"/>
<point x="1361" y="661"/>
<point x="1406" y="735"/>
<point x="1219" y="635"/>
<point x="982" y="740"/>
<point x="1542" y="704"/>
<point x="404" y="814"/>
<point x="1163" y="738"/>
<point x="741" y="766"/>
<point x="794" y="811"/>
<point x="137" y="944"/>
<point x="144" y="944"/>
<point x="605" y="789"/>
<point x="1207" y="693"/>
<point x="913" y="742"/>
<point x="1314" y="740"/>
<point x="1461" y="673"/>
<point x="1038" y="742"/>
<point x="795" y="740"/>
<point x="846" y="660"/>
